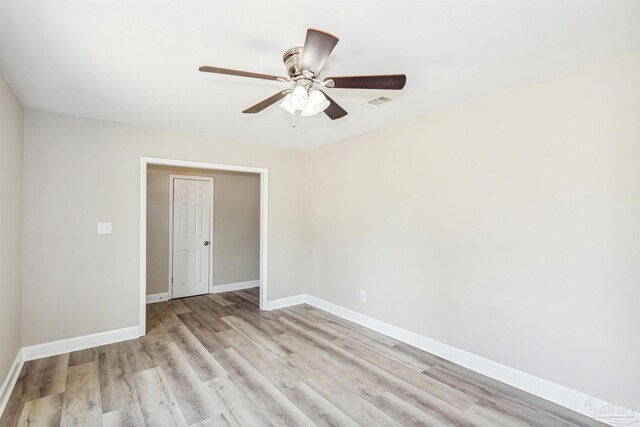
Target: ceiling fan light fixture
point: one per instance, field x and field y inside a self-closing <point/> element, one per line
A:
<point x="316" y="104"/>
<point x="286" y="105"/>
<point x="299" y="97"/>
<point x="319" y="101"/>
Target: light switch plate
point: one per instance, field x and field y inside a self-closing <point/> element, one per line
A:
<point x="363" y="296"/>
<point x="104" y="228"/>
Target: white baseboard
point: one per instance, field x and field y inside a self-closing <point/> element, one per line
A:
<point x="287" y="302"/>
<point x="151" y="298"/>
<point x="10" y="382"/>
<point x="80" y="343"/>
<point x="227" y="287"/>
<point x="593" y="406"/>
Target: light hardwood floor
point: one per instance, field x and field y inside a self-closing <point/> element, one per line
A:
<point x="217" y="360"/>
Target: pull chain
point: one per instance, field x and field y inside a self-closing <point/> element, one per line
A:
<point x="304" y="124"/>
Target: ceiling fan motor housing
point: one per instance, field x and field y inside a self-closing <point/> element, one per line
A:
<point x="292" y="58"/>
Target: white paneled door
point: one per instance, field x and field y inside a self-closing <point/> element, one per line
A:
<point x="191" y="253"/>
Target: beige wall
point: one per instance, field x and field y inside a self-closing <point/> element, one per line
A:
<point x="508" y="227"/>
<point x="236" y="226"/>
<point x="11" y="127"/>
<point x="79" y="172"/>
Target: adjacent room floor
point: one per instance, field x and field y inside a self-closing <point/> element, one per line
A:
<point x="218" y="360"/>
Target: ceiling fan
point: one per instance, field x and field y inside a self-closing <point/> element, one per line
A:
<point x="304" y="65"/>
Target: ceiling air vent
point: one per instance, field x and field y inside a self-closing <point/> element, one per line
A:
<point x="375" y="103"/>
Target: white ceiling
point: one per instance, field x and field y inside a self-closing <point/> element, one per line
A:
<point x="137" y="62"/>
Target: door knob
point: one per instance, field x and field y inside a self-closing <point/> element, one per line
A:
<point x="206" y="243"/>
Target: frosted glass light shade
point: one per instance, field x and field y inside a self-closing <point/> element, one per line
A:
<point x="299" y="98"/>
<point x="286" y="105"/>
<point x="316" y="103"/>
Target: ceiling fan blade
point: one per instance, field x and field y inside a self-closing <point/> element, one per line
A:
<point x="217" y="70"/>
<point x="266" y="102"/>
<point x="389" y="81"/>
<point x="317" y="47"/>
<point x="334" y="111"/>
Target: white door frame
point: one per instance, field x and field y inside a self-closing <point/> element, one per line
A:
<point x="211" y="181"/>
<point x="264" y="222"/>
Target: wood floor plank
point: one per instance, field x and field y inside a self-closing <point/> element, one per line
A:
<point x="355" y="327"/>
<point x="393" y="352"/>
<point x="158" y="404"/>
<point x="264" y="395"/>
<point x="209" y="305"/>
<point x="313" y="404"/>
<point x="337" y="390"/>
<point x="195" y="404"/>
<point x="178" y="306"/>
<point x="38" y="378"/>
<point x="116" y="380"/>
<point x="244" y="345"/>
<point x="307" y="312"/>
<point x="83" y="356"/>
<point x="487" y="416"/>
<point x="82" y="401"/>
<point x="341" y="374"/>
<point x="139" y="354"/>
<point x="405" y="413"/>
<point x="256" y="321"/>
<point x="346" y="390"/>
<point x="315" y="327"/>
<point x="386" y="381"/>
<point x="199" y="359"/>
<point x="168" y="318"/>
<point x="215" y="421"/>
<point x="202" y="332"/>
<point x="47" y="376"/>
<point x="319" y="409"/>
<point x="255" y="335"/>
<point x="496" y="401"/>
<point x="130" y="416"/>
<point x="416" y="356"/>
<point x="251" y="296"/>
<point x="156" y="330"/>
<point x="442" y="391"/>
<point x="234" y="404"/>
<point x="42" y="412"/>
<point x="220" y="299"/>
<point x="361" y="334"/>
<point x="211" y="320"/>
<point x="241" y="303"/>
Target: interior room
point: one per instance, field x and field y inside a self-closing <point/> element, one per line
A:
<point x="344" y="213"/>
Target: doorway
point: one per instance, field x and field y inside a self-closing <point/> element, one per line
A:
<point x="195" y="247"/>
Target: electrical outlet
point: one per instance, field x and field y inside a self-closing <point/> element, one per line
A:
<point x="363" y="295"/>
<point x="104" y="228"/>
